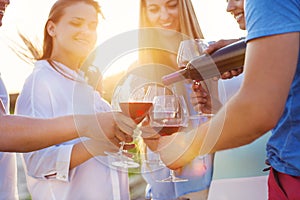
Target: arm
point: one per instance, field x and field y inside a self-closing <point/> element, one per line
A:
<point x="36" y="100"/>
<point x="23" y="134"/>
<point x="255" y="109"/>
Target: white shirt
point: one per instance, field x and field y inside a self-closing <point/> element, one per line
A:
<point x="8" y="166"/>
<point x="229" y="87"/>
<point x="48" y="93"/>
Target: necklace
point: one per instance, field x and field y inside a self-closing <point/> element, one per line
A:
<point x="63" y="72"/>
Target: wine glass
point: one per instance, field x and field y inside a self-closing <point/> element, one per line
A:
<point x="168" y="115"/>
<point x="132" y="106"/>
<point x="120" y="159"/>
<point x="189" y="49"/>
<point x="154" y="89"/>
<point x="133" y="97"/>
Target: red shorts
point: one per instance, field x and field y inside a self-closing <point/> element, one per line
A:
<point x="283" y="186"/>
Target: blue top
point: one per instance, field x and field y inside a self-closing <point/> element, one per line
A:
<point x="269" y="17"/>
<point x="198" y="172"/>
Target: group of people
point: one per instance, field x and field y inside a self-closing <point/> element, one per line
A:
<point x="68" y="125"/>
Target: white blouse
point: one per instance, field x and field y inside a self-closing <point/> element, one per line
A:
<point x="8" y="166"/>
<point x="50" y="92"/>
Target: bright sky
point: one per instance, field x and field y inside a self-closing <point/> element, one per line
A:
<point x="29" y="17"/>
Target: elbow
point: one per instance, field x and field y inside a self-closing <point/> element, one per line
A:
<point x="176" y="164"/>
<point x="264" y="122"/>
<point x="182" y="159"/>
<point x="269" y="123"/>
<point x="266" y="117"/>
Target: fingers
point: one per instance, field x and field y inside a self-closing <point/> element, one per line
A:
<point x="121" y="136"/>
<point x="232" y="73"/>
<point x="109" y="135"/>
<point x="219" y="44"/>
<point x="116" y="141"/>
<point x="199" y="96"/>
<point x="149" y="133"/>
<point x="129" y="146"/>
<point x="226" y="75"/>
<point x="125" y="124"/>
<point x="197" y="107"/>
<point x="198" y="100"/>
<point x="199" y="90"/>
<point x="216" y="78"/>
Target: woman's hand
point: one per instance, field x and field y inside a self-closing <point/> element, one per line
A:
<point x="105" y="127"/>
<point x="205" y="99"/>
<point x="217" y="45"/>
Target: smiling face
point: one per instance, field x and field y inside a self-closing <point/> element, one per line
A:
<point x="3" y="5"/>
<point x="163" y="14"/>
<point x="75" y="33"/>
<point x="236" y="8"/>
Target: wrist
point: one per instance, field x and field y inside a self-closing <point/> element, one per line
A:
<point x="80" y="127"/>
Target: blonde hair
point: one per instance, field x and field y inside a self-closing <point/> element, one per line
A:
<point x="189" y="29"/>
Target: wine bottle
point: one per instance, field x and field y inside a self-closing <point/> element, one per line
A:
<point x="206" y="66"/>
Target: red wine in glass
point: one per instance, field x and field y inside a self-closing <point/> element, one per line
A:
<point x="166" y="130"/>
<point x="168" y="115"/>
<point x="136" y="110"/>
<point x="166" y="122"/>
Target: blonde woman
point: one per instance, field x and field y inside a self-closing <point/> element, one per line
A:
<point x="164" y="24"/>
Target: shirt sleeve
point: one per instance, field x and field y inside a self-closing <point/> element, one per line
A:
<point x="52" y="162"/>
<point x="271" y="17"/>
<point x="101" y="105"/>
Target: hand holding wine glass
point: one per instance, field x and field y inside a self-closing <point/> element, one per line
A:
<point x="168" y="116"/>
<point x="133" y="97"/>
<point x="189" y="49"/>
<point x="129" y="99"/>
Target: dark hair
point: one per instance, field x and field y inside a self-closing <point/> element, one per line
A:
<point x="56" y="12"/>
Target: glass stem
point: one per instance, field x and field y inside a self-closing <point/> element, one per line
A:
<point x="172" y="175"/>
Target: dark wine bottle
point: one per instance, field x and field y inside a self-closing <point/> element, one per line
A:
<point x="206" y="66"/>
